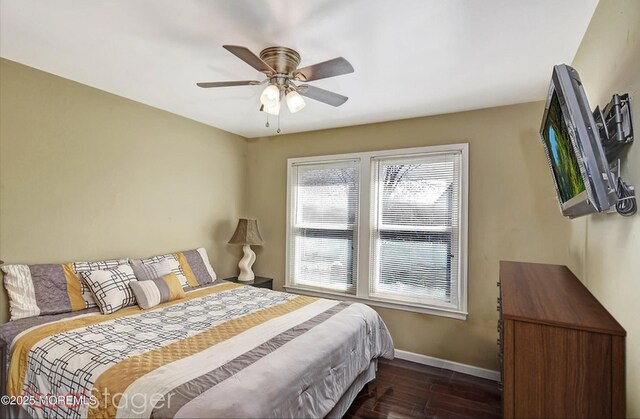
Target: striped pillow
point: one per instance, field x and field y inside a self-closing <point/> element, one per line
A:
<point x="50" y="288"/>
<point x="157" y="291"/>
<point x="110" y="287"/>
<point x="196" y="262"/>
<point x="153" y="270"/>
<point x="192" y="269"/>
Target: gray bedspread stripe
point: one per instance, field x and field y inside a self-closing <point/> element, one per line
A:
<point x="10" y="330"/>
<point x="188" y="391"/>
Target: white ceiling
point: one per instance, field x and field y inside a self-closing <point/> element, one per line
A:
<point x="411" y="57"/>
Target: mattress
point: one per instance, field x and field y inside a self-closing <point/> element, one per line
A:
<point x="228" y="350"/>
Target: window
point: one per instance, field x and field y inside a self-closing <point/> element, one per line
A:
<point x="325" y="220"/>
<point x="388" y="228"/>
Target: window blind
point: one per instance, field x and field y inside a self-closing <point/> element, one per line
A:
<point x="416" y="219"/>
<point x="323" y="238"/>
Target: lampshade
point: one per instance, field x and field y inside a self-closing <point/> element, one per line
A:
<point x="247" y="233"/>
<point x="272" y="108"/>
<point x="270" y="95"/>
<point x="295" y="101"/>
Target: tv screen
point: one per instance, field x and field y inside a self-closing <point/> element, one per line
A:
<point x="564" y="163"/>
<point x="571" y="139"/>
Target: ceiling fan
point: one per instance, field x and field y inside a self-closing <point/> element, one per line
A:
<point x="280" y="66"/>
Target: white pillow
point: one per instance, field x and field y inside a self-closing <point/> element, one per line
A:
<point x="110" y="287"/>
<point x="205" y="259"/>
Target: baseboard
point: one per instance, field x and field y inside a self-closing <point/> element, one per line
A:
<point x="448" y="365"/>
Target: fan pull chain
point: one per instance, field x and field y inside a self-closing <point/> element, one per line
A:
<point x="278" y="131"/>
<point x="267" y="124"/>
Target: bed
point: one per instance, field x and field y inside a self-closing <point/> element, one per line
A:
<point x="225" y="350"/>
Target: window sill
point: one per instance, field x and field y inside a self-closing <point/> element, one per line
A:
<point x="384" y="304"/>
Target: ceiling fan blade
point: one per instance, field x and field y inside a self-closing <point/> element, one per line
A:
<point x="250" y="58"/>
<point x="321" y="95"/>
<point x="336" y="67"/>
<point x="229" y="83"/>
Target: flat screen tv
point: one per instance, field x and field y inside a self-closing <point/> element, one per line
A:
<point x="583" y="181"/>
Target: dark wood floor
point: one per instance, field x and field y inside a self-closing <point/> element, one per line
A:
<point x="407" y="389"/>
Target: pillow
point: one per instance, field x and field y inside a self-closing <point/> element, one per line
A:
<point x="110" y="287"/>
<point x="153" y="292"/>
<point x="198" y="263"/>
<point x="170" y="259"/>
<point x="78" y="267"/>
<point x="153" y="270"/>
<point x="50" y="288"/>
<point x="193" y="268"/>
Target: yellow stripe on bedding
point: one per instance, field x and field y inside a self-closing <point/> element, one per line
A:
<point x="186" y="268"/>
<point x="73" y="288"/>
<point x="174" y="285"/>
<point x="116" y="379"/>
<point x="23" y="345"/>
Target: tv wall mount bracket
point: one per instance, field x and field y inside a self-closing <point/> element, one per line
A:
<point x="616" y="135"/>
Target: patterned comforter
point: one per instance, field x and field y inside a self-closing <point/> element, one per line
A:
<point x="223" y="351"/>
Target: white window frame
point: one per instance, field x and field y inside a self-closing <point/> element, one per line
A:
<point x="291" y="224"/>
<point x="366" y="224"/>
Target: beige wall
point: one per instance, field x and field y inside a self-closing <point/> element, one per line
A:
<point x="608" y="61"/>
<point x="87" y="175"/>
<point x="513" y="211"/>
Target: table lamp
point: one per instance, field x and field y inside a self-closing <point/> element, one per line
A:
<point x="246" y="234"/>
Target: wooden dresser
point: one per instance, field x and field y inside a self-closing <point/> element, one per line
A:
<point x="561" y="352"/>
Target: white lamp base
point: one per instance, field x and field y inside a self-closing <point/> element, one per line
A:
<point x="245" y="264"/>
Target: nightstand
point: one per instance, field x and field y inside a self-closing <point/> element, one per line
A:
<point x="259" y="282"/>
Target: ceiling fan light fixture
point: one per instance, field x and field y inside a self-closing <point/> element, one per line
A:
<point x="272" y="108"/>
<point x="280" y="66"/>
<point x="270" y="96"/>
<point x="294" y="101"/>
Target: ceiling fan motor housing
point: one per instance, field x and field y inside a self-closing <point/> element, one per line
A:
<point x="282" y="59"/>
